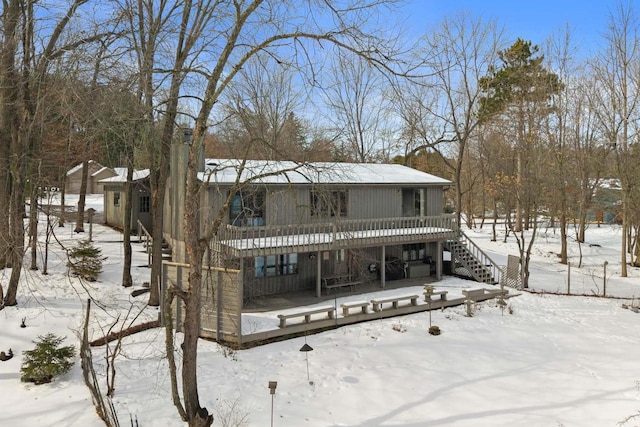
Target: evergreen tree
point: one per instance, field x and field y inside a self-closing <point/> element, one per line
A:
<point x="85" y="261"/>
<point x="47" y="360"/>
<point x="517" y="102"/>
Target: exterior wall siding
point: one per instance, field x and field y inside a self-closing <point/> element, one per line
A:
<point x="292" y="205"/>
<point x="114" y="215"/>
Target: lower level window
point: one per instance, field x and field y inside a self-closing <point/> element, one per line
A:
<point x="276" y="265"/>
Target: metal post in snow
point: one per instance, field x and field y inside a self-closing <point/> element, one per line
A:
<point x="604" y="280"/>
<point x="569" y="277"/>
<point x="272" y="390"/>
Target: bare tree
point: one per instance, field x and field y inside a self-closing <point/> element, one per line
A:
<point x="242" y="30"/>
<point x="161" y="75"/>
<point x="618" y="104"/>
<point x="26" y="53"/>
<point x="260" y="111"/>
<point x="560" y="52"/>
<point x="462" y="50"/>
<point x="357" y="106"/>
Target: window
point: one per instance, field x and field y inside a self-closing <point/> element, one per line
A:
<point x="116" y="198"/>
<point x="412" y="202"/>
<point x="276" y="265"/>
<point x="144" y="204"/>
<point x="247" y="208"/>
<point x="413" y="252"/>
<point x="329" y="203"/>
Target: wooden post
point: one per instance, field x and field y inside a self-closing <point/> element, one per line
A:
<point x="91" y="211"/>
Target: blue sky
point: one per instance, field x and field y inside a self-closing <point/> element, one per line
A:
<point x="535" y="21"/>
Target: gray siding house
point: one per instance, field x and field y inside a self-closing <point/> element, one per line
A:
<point x="114" y="199"/>
<point x="293" y="227"/>
<point x="292" y="233"/>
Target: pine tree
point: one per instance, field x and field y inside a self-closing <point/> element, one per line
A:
<point x="47" y="360"/>
<point x="85" y="261"/>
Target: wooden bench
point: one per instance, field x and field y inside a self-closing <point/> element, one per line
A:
<point x="352" y="285"/>
<point x="475" y="294"/>
<point x="362" y="305"/>
<point x="377" y="303"/>
<point x="431" y="293"/>
<point x="329" y="309"/>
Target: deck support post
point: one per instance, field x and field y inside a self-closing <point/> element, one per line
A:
<point x="319" y="274"/>
<point x="439" y="260"/>
<point x="383" y="266"/>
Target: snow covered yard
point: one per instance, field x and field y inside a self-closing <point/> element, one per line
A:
<point x="555" y="361"/>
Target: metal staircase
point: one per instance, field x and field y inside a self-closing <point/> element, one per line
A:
<point x="469" y="260"/>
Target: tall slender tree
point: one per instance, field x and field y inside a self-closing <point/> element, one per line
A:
<point x="517" y="96"/>
<point x="618" y="105"/>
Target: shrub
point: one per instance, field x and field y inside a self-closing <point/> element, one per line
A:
<point x="47" y="360"/>
<point x="434" y="330"/>
<point x="85" y="261"/>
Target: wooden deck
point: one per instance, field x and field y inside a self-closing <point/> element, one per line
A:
<point x="288" y="300"/>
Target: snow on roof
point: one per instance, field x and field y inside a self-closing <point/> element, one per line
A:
<point x="137" y="175"/>
<point x="77" y="167"/>
<point x="102" y="169"/>
<point x="225" y="171"/>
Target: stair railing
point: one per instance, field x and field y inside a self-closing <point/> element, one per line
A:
<point x="148" y="241"/>
<point x="485" y="260"/>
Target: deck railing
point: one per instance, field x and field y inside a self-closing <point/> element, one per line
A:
<point x="341" y="234"/>
<point x="145" y="237"/>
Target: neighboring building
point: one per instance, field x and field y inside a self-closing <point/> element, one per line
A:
<point x="606" y="203"/>
<point x="114" y="199"/>
<point x="96" y="173"/>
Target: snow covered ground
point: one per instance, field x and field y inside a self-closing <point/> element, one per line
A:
<point x="556" y="360"/>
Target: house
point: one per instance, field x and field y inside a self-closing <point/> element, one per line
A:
<point x="97" y="172"/>
<point x="115" y="194"/>
<point x="294" y="224"/>
<point x="306" y="229"/>
<point x="606" y="203"/>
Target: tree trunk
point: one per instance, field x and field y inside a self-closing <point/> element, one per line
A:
<point x="8" y="121"/>
<point x="563" y="234"/>
<point x="127" y="281"/>
<point x="16" y="218"/>
<point x="83" y="194"/>
<point x="157" y="225"/>
<point x="5" y="194"/>
<point x="623" y="245"/>
<point x="62" y="209"/>
<point x="33" y="224"/>
<point x="197" y="415"/>
<point x="582" y="223"/>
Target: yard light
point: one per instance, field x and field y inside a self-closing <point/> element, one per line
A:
<point x="272" y="391"/>
<point x="306" y="348"/>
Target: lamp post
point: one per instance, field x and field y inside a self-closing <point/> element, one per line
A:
<point x="272" y="391"/>
<point x="306" y="348"/>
